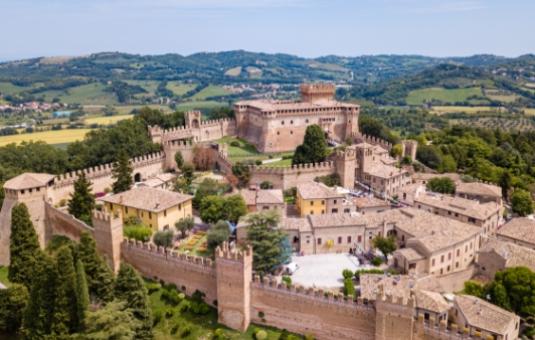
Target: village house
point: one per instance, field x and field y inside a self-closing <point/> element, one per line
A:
<point x="315" y="198"/>
<point x="156" y="208"/>
<point x="520" y="231"/>
<point x="370" y="204"/>
<point x="263" y="199"/>
<point x="496" y="255"/>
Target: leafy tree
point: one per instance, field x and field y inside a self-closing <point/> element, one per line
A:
<point x="99" y="275"/>
<point x="39" y="314"/>
<point x="517" y="283"/>
<point x="266" y="240"/>
<point x="113" y="321"/>
<point x="130" y="288"/>
<point x="122" y="173"/>
<point x="474" y="288"/>
<point x="386" y="245"/>
<point x="184" y="182"/>
<point x="235" y="208"/>
<point x="23" y="248"/>
<point x="164" y="238"/>
<point x="314" y="147"/>
<point x="209" y="187"/>
<point x="242" y="173"/>
<point x="443" y="185"/>
<point x="138" y="232"/>
<point x="179" y="160"/>
<point x="82" y="200"/>
<point x="217" y="234"/>
<point x="396" y="151"/>
<point x="329" y="180"/>
<point x="216" y="208"/>
<point x="184" y="225"/>
<point x="429" y="155"/>
<point x="65" y="317"/>
<point x="82" y="294"/>
<point x="521" y="202"/>
<point x="13" y="300"/>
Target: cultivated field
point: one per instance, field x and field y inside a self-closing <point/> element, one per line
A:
<point x="178" y="88"/>
<point x="106" y="120"/>
<point x="49" y="137"/>
<point x="93" y="93"/>
<point x="418" y="97"/>
<point x="210" y="91"/>
<point x="465" y="109"/>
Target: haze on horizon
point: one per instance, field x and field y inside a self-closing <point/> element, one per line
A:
<point x="308" y="28"/>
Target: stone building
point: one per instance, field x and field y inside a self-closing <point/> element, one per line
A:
<point x="520" y="230"/>
<point x="313" y="198"/>
<point x="276" y="126"/>
<point x="263" y="199"/>
<point x="496" y="255"/>
<point x="156" y="208"/>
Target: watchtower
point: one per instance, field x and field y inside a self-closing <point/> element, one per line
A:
<point x="346" y="163"/>
<point x="234" y="270"/>
<point x="108" y="233"/>
<point x="394" y="318"/>
<point x="193" y="119"/>
<point x="311" y="93"/>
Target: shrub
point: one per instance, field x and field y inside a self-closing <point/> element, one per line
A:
<point x="235" y="143"/>
<point x="258" y="162"/>
<point x="174" y="329"/>
<point x="376" y="261"/>
<point x="358" y="272"/>
<point x="219" y="334"/>
<point x="266" y="185"/>
<point x="347" y="273"/>
<point x="138" y="232"/>
<point x="186" y="331"/>
<point x="287" y="280"/>
<point x="199" y="308"/>
<point x="171" y="297"/>
<point x="261" y="335"/>
<point x="157" y="318"/>
<point x="349" y="288"/>
<point x="153" y="287"/>
<point x="169" y="313"/>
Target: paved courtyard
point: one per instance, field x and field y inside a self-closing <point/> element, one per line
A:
<point x="324" y="270"/>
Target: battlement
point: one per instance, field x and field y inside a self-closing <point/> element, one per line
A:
<point x="216" y="121"/>
<point x="104" y="170"/>
<point x="372" y="140"/>
<point x="103" y="216"/>
<point x="202" y="263"/>
<point x="444" y="330"/>
<point x="227" y="252"/>
<point x="181" y="143"/>
<point x="310" y="293"/>
<point x="293" y="169"/>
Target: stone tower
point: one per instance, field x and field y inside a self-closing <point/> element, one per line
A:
<point x="394" y="318"/>
<point x="409" y="148"/>
<point x="234" y="275"/>
<point x="312" y="93"/>
<point x="346" y="163"/>
<point x="32" y="190"/>
<point x="193" y="119"/>
<point x="108" y="233"/>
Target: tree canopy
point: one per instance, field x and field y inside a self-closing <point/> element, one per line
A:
<point x="82" y="200"/>
<point x="314" y="147"/>
<point x="443" y="185"/>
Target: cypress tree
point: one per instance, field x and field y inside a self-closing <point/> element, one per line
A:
<point x="82" y="201"/>
<point x="99" y="276"/>
<point x="38" y="316"/>
<point x="122" y="173"/>
<point x="65" y="320"/>
<point x="314" y="147"/>
<point x="24" y="247"/>
<point x="13" y="301"/>
<point x="82" y="294"/>
<point x="130" y="288"/>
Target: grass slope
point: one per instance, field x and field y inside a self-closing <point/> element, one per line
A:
<point x="210" y="91"/>
<point x="88" y="94"/>
<point x="418" y="97"/>
<point x="178" y="88"/>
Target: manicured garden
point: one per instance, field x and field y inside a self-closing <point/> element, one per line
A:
<point x="195" y="244"/>
<point x="240" y="150"/>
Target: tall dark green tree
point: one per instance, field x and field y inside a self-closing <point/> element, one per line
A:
<point x="113" y="321"/>
<point x="521" y="202"/>
<point x="24" y="247"/>
<point x="314" y="147"/>
<point x="122" y="173"/>
<point x="82" y="200"/>
<point x="65" y="320"/>
<point x="267" y="241"/>
<point x="99" y="275"/>
<point x="82" y="294"/>
<point x="13" y="301"/>
<point x="505" y="184"/>
<point x="130" y="288"/>
<point x="39" y="315"/>
<point x="179" y="160"/>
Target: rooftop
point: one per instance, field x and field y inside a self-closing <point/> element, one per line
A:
<point x="28" y="180"/>
<point x="484" y="315"/>
<point x="262" y="196"/>
<point x="315" y="190"/>
<point x="480" y="189"/>
<point x="380" y="169"/>
<point x="148" y="199"/>
<point x="463" y="206"/>
<point x="521" y="228"/>
<point x="514" y="255"/>
<point x="370" y="202"/>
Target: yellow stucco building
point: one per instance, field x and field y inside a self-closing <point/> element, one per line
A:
<point x="156" y="208"/>
<point x="315" y="198"/>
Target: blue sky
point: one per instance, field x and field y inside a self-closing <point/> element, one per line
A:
<point x="310" y="28"/>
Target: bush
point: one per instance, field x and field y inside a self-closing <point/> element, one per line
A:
<point x="349" y="287"/>
<point x="186" y="331"/>
<point x="171" y="297"/>
<point x="169" y="313"/>
<point x="138" y="232"/>
<point x="347" y="273"/>
<point x="261" y="335"/>
<point x="174" y="329"/>
<point x="266" y="185"/>
<point x="157" y="318"/>
<point x="219" y="334"/>
<point x="199" y="308"/>
<point x="443" y="185"/>
<point x="235" y="144"/>
<point x="287" y="280"/>
<point x="376" y="261"/>
<point x="358" y="272"/>
<point x="153" y="287"/>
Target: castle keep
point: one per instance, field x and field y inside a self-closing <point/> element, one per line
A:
<point x="276" y="126"/>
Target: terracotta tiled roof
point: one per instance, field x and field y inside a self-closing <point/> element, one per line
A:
<point x="484" y="315"/>
<point x="370" y="202"/>
<point x="522" y="229"/>
<point x="514" y="255"/>
<point x="281" y="106"/>
<point x="431" y="301"/>
<point x="148" y="199"/>
<point x="463" y="206"/>
<point x="262" y="196"/>
<point x="477" y="188"/>
<point x="28" y="180"/>
<point x="315" y="190"/>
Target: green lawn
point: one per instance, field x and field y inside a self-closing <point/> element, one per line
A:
<point x="283" y="162"/>
<point x="418" y="97"/>
<point x="174" y="320"/>
<point x="3" y="276"/>
<point x="178" y="88"/>
<point x="10" y="89"/>
<point x="245" y="151"/>
<point x="210" y="91"/>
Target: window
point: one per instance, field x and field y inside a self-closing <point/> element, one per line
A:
<point x="349" y="239"/>
<point x="282" y="122"/>
<point x="319" y="241"/>
<point x="150" y="214"/>
<point x="322" y="202"/>
<point x="126" y="210"/>
<point x="334" y="201"/>
<point x="449" y="268"/>
<point x="433" y="262"/>
<point x="457" y="265"/>
<point x="339" y="239"/>
<point x="291" y="121"/>
<point x="311" y="212"/>
<point x="306" y="120"/>
<point x="334" y="211"/>
<point x="458" y="252"/>
<point x="278" y="133"/>
<point x="179" y="206"/>
<point x="322" y="212"/>
<point x="165" y="213"/>
<point x="346" y="210"/>
<point x="442" y="259"/>
<point x="311" y="202"/>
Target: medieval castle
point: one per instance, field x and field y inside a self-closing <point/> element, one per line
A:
<point x="228" y="282"/>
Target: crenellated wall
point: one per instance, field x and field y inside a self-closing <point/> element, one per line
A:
<point x="310" y="311"/>
<point x="290" y="176"/>
<point x="203" y="131"/>
<point x="60" y="222"/>
<point x="185" y="271"/>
